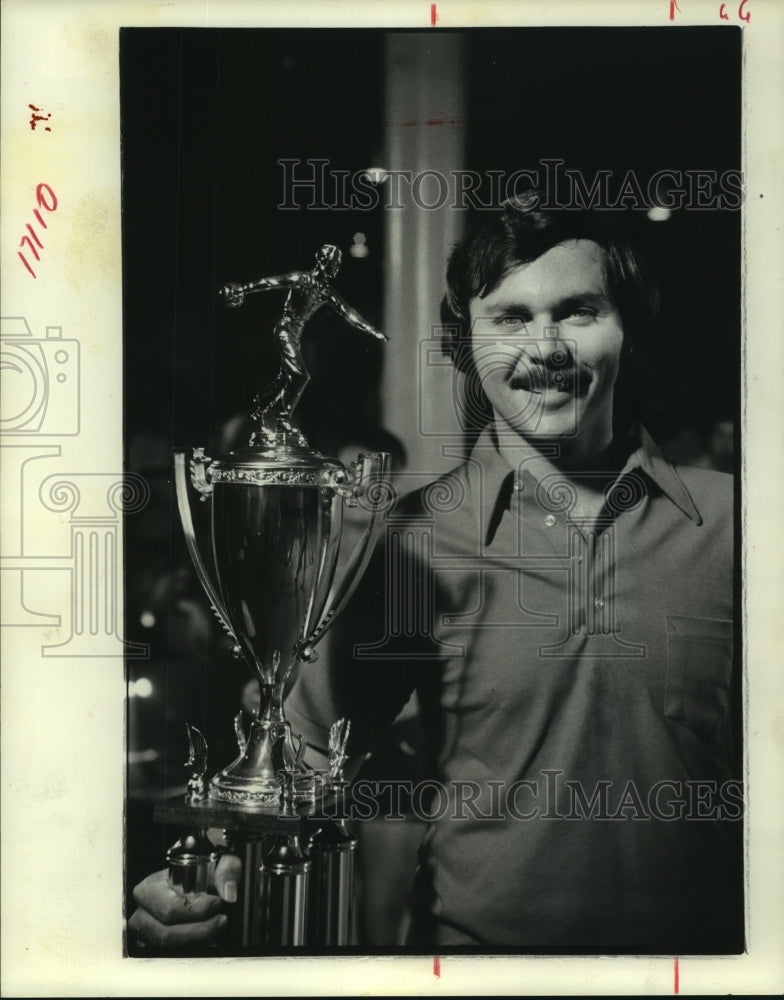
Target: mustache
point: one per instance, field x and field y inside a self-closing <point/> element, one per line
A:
<point x="537" y="376"/>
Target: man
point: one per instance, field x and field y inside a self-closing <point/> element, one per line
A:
<point x="562" y="603"/>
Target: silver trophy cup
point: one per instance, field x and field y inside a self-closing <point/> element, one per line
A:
<point x="276" y="530"/>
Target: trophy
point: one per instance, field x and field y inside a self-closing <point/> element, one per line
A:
<point x="277" y="509"/>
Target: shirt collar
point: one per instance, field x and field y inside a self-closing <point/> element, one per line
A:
<point x="492" y="480"/>
<point x="649" y="458"/>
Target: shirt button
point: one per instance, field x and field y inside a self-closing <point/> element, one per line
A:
<point x="599" y="602"/>
<point x="550" y="520"/>
<point x="517" y="485"/>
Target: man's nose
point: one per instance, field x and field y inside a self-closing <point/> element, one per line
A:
<point x="545" y="343"/>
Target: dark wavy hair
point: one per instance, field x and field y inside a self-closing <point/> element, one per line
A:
<point x="519" y="232"/>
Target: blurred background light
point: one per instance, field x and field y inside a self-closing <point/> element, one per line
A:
<point x="140" y="688"/>
<point x="659" y="214"/>
<point x="359" y="247"/>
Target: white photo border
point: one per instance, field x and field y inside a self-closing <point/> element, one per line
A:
<point x="63" y="760"/>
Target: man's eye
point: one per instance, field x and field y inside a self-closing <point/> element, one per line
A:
<point x="584" y="312"/>
<point x="510" y="322"/>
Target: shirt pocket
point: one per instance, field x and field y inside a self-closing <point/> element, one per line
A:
<point x="699" y="669"/>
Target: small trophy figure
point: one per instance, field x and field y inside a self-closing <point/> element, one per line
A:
<point x="197" y="761"/>
<point x="192" y="859"/>
<point x="309" y="291"/>
<point x="338" y="738"/>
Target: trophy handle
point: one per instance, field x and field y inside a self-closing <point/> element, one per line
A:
<point x="181" y="488"/>
<point x="372" y="477"/>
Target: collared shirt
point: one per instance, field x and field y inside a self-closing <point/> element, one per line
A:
<point x="576" y="678"/>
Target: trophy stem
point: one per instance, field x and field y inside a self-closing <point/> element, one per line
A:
<point x="268" y="752"/>
<point x="271" y="706"/>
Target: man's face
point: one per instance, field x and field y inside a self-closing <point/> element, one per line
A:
<point x="547" y="344"/>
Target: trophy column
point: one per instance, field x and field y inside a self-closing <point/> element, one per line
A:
<point x="333" y="852"/>
<point x="285" y="881"/>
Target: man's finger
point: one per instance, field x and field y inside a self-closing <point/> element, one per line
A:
<point x="160" y="935"/>
<point x="165" y="905"/>
<point x="227" y="877"/>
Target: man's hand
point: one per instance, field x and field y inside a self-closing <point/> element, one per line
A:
<point x="168" y="919"/>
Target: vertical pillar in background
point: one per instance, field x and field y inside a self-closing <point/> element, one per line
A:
<point x="425" y="131"/>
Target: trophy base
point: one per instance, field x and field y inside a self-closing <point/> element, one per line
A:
<point x="253" y="780"/>
<point x="262" y="794"/>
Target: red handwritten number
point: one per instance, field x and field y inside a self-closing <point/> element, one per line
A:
<point x="46" y="199"/>
<point x="22" y="258"/>
<point x="39" y="197"/>
<point x="29" y="242"/>
<point x="676" y="985"/>
<point x="673" y="7"/>
<point x="31" y="231"/>
<point x="743" y="15"/>
<point x="433" y="15"/>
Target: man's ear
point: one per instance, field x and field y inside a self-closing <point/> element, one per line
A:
<point x="628" y="352"/>
<point x="472" y="404"/>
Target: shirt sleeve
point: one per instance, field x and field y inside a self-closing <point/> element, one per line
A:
<point x="367" y="666"/>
